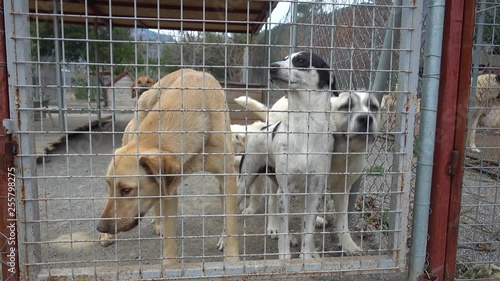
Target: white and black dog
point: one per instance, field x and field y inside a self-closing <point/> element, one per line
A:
<point x="300" y="150"/>
<point x="357" y="120"/>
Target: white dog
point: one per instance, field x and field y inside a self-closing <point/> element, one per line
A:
<point x="357" y="120"/>
<point x="298" y="150"/>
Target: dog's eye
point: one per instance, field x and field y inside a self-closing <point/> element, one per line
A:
<point x="344" y="107"/>
<point x="373" y="107"/>
<point x="125" y="191"/>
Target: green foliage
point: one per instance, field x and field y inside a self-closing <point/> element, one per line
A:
<point x="491" y="29"/>
<point x="375" y="169"/>
<point x="416" y="146"/>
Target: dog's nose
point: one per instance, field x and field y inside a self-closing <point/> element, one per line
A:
<point x="102" y="227"/>
<point x="365" y="120"/>
<point x="274" y="67"/>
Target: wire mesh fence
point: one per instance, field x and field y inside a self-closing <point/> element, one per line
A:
<point x="477" y="257"/>
<point x="92" y="124"/>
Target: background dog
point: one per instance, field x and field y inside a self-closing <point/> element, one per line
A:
<point x="295" y="149"/>
<point x="487" y="91"/>
<point x="142" y="84"/>
<point x="159" y="158"/>
<point x="357" y="120"/>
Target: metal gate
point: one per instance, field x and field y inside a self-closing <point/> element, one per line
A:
<point x="478" y="237"/>
<point x="72" y="68"/>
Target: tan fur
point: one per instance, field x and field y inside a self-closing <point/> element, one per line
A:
<point x="487" y="91"/>
<point x="158" y="143"/>
<point x="148" y="100"/>
<point x="142" y="84"/>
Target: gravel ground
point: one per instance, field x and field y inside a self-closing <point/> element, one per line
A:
<point x="479" y="232"/>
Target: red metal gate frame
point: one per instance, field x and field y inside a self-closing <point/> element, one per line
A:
<point x="8" y="224"/>
<point x="450" y="138"/>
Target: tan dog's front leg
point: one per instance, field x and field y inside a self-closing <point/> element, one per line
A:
<point x="169" y="212"/>
<point x="231" y="220"/>
<point x="157" y="221"/>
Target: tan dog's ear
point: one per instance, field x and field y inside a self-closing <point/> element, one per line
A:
<point x="169" y="169"/>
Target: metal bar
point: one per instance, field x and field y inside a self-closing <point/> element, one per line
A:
<point x="430" y="93"/>
<point x="57" y="53"/>
<point x="20" y="74"/>
<point x="460" y="139"/>
<point x="97" y="75"/>
<point x="240" y="270"/>
<point x="8" y="224"/>
<point x="293" y="30"/>
<point x="405" y="122"/>
<point x="390" y="40"/>
<point x="445" y="134"/>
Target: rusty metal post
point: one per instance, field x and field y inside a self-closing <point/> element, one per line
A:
<point x="8" y="223"/>
<point x="460" y="137"/>
<point x="450" y="136"/>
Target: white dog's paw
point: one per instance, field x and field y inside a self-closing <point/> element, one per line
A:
<point x="309" y="256"/>
<point x="249" y="211"/>
<point x="285" y="256"/>
<point x="106" y="239"/>
<point x="320" y="222"/>
<point x="158" y="228"/>
<point x="272" y="232"/>
<point x="221" y="244"/>
<point x="475" y="150"/>
<point x="293" y="241"/>
<point x="350" y="248"/>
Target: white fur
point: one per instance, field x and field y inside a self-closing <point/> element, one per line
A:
<point x="301" y="146"/>
<point x="352" y="143"/>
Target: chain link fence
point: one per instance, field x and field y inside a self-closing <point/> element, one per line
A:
<point x="478" y="256"/>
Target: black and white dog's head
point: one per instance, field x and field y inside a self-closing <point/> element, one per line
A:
<point x="357" y="115"/>
<point x="302" y="70"/>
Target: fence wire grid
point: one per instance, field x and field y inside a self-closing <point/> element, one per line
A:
<point x="477" y="256"/>
<point x="77" y="76"/>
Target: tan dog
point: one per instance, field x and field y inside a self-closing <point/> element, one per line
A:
<point x="487" y="91"/>
<point x="142" y="84"/>
<point x="160" y="163"/>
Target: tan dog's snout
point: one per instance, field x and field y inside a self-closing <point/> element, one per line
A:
<point x="122" y="225"/>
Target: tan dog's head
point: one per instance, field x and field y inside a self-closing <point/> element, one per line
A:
<point x="134" y="183"/>
<point x="142" y="84"/>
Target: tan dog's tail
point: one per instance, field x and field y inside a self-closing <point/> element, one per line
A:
<point x="254" y="106"/>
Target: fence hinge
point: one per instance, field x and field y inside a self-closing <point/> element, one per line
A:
<point x="8" y="124"/>
<point x="452" y="169"/>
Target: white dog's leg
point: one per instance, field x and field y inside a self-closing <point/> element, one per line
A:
<point x="342" y="224"/>
<point x="308" y="249"/>
<point x="471" y="134"/>
<point x="284" y="235"/>
<point x="256" y="195"/>
<point x="273" y="223"/>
